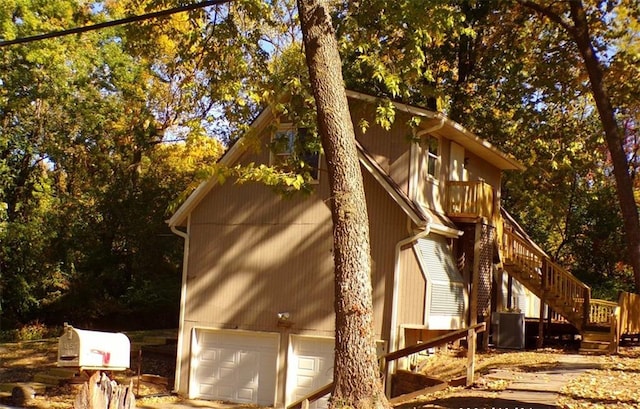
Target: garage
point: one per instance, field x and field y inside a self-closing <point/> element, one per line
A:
<point x="310" y="368"/>
<point x="234" y="366"/>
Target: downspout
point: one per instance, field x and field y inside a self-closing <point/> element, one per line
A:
<point x="393" y="337"/>
<point x="183" y="297"/>
<point x="434" y="128"/>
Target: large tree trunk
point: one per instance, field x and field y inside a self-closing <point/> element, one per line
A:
<point x="613" y="137"/>
<point x="356" y="376"/>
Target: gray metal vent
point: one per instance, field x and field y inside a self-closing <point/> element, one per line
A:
<point x="511" y="330"/>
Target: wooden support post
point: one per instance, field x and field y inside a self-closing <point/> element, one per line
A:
<point x="475" y="275"/>
<point x="485" y="335"/>
<point x="615" y="331"/>
<point x="499" y="283"/>
<point x="543" y="285"/>
<point x="540" y="342"/>
<point x="386" y="380"/>
<point x="509" y="292"/>
<point x="586" y="308"/>
<point x="471" y="356"/>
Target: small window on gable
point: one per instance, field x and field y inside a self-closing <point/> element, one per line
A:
<point x="292" y="149"/>
<point x="283" y="142"/>
<point x="431" y="151"/>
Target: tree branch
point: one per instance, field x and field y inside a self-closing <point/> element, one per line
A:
<point x="547" y="12"/>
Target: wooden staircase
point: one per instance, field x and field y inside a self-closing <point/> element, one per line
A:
<point x="559" y="289"/>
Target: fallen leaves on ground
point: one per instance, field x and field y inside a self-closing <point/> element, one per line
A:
<point x="450" y="363"/>
<point x="614" y="381"/>
<point x="615" y="384"/>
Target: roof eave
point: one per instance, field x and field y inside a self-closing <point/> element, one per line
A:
<point x="454" y="131"/>
<point x="481" y="147"/>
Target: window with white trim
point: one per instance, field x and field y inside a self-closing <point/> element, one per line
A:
<point x="431" y="155"/>
<point x="295" y="150"/>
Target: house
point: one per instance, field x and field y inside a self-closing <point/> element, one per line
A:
<point x="257" y="317"/>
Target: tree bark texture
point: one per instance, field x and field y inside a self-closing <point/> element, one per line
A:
<point x="356" y="376"/>
<point x="613" y="137"/>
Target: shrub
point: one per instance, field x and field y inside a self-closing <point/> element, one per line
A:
<point x="30" y="332"/>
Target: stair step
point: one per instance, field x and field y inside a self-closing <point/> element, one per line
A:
<point x="591" y="336"/>
<point x="590" y="351"/>
<point x="594" y="345"/>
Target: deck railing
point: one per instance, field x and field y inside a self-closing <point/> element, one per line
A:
<point x="601" y="312"/>
<point x="557" y="287"/>
<point x="470" y="199"/>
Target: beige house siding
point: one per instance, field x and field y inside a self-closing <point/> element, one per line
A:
<point x="184" y="359"/>
<point x="479" y="168"/>
<point x="445" y="170"/>
<point x="390" y="148"/>
<point x="412" y="289"/>
<point x="254" y="254"/>
<point x="252" y="250"/>
<point x="247" y="277"/>
<point x="388" y="226"/>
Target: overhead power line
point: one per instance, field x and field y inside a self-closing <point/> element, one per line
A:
<point x="112" y="23"/>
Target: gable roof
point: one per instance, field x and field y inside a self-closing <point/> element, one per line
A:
<point x="448" y="128"/>
<point x="453" y="131"/>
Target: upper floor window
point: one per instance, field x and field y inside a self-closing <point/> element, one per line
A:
<point x="431" y="151"/>
<point x="295" y="150"/>
<point x="283" y="144"/>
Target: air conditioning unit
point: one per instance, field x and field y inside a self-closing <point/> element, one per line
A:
<point x="510" y="330"/>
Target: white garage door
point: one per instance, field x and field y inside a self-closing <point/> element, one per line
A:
<point x="234" y="366"/>
<point x="310" y="368"/>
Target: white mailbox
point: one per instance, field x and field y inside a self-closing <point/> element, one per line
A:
<point x="93" y="350"/>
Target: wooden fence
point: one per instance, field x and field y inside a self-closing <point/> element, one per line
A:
<point x="629" y="313"/>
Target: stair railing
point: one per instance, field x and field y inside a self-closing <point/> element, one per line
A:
<point x="518" y="251"/>
<point x="550" y="279"/>
<point x="575" y="294"/>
